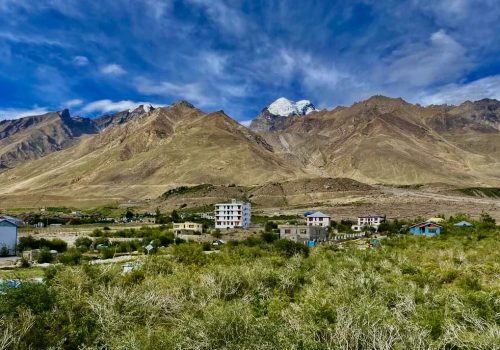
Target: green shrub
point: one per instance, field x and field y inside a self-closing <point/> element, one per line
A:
<point x="71" y="257"/>
<point x="189" y="253"/>
<point x="83" y="243"/>
<point x="44" y="256"/>
<point x="35" y="296"/>
<point x="216" y="233"/>
<point x="269" y="237"/>
<point x="107" y="253"/>
<point x="4" y="251"/>
<point x="290" y="248"/>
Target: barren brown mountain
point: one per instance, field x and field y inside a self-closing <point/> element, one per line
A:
<point x="389" y="141"/>
<point x="380" y="140"/>
<point x="33" y="137"/>
<point x="146" y="156"/>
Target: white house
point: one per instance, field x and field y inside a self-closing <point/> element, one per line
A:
<point x="233" y="214"/>
<point x="8" y="234"/>
<point x="318" y="219"/>
<point x="368" y="220"/>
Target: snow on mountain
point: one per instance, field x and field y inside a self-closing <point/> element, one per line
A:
<point x="284" y="107"/>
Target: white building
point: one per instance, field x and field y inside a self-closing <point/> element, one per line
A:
<point x="208" y="216"/>
<point x="368" y="220"/>
<point x="318" y="219"/>
<point x="8" y="235"/>
<point x="231" y="215"/>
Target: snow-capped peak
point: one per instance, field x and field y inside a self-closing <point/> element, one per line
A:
<point x="284" y="107"/>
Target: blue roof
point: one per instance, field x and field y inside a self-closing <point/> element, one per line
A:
<point x="318" y="214"/>
<point x="464" y="224"/>
<point x="12" y="219"/>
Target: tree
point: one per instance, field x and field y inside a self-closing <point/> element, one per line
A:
<point x="486" y="221"/>
<point x="175" y="216"/>
<point x="270" y="226"/>
<point x="129" y="214"/>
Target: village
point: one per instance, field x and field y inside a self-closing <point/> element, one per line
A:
<point x="42" y="239"/>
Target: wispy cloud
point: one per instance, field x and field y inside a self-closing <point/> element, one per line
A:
<point x="192" y="92"/>
<point x="457" y="93"/>
<point x="108" y="106"/>
<point x="73" y="103"/>
<point x="227" y="17"/>
<point x="440" y="59"/>
<point x="16" y="113"/>
<point x="240" y="55"/>
<point x="80" y="61"/>
<point x="113" y="69"/>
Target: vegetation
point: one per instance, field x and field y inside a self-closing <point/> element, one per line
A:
<point x="186" y="189"/>
<point x="268" y="293"/>
<point x="492" y="192"/>
<point x="30" y="242"/>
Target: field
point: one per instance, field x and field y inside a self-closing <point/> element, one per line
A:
<point x="263" y="293"/>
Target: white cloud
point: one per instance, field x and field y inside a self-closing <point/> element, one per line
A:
<point x="440" y="59"/>
<point x="113" y="69"/>
<point x="73" y="103"/>
<point x="192" y="92"/>
<point x="107" y="106"/>
<point x="16" y="113"/>
<point x="457" y="93"/>
<point x="228" y="18"/>
<point x="80" y="61"/>
<point x="245" y="122"/>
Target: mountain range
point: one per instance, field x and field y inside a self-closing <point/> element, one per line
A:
<point x="141" y="153"/>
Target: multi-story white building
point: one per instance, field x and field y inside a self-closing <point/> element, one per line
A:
<point x="368" y="220"/>
<point x="318" y="219"/>
<point x="234" y="214"/>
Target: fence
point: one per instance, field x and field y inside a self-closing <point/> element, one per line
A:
<point x="347" y="236"/>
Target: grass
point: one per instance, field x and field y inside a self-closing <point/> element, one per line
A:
<point x="410" y="293"/>
<point x="22" y="273"/>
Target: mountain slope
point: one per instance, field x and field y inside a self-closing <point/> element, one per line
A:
<point x="146" y="156"/>
<point x="122" y="117"/>
<point x="33" y="137"/>
<point x="384" y="140"/>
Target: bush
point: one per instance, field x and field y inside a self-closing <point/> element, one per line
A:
<point x="101" y="241"/>
<point x="83" y="243"/>
<point x="270" y="226"/>
<point x="269" y="237"/>
<point x="45" y="256"/>
<point x="4" y="251"/>
<point x="216" y="233"/>
<point x="189" y="253"/>
<point x="34" y="296"/>
<point x="290" y="248"/>
<point x="30" y="242"/>
<point x="107" y="253"/>
<point x="71" y="257"/>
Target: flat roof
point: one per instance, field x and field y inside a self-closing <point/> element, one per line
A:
<point x="318" y="214"/>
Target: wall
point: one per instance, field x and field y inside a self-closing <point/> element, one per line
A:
<point x="8" y="237"/>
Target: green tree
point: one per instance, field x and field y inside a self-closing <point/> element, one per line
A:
<point x="174" y="216"/>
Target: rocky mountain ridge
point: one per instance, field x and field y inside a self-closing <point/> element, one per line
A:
<point x="377" y="141"/>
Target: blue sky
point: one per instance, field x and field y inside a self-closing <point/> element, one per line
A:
<point x="97" y="57"/>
